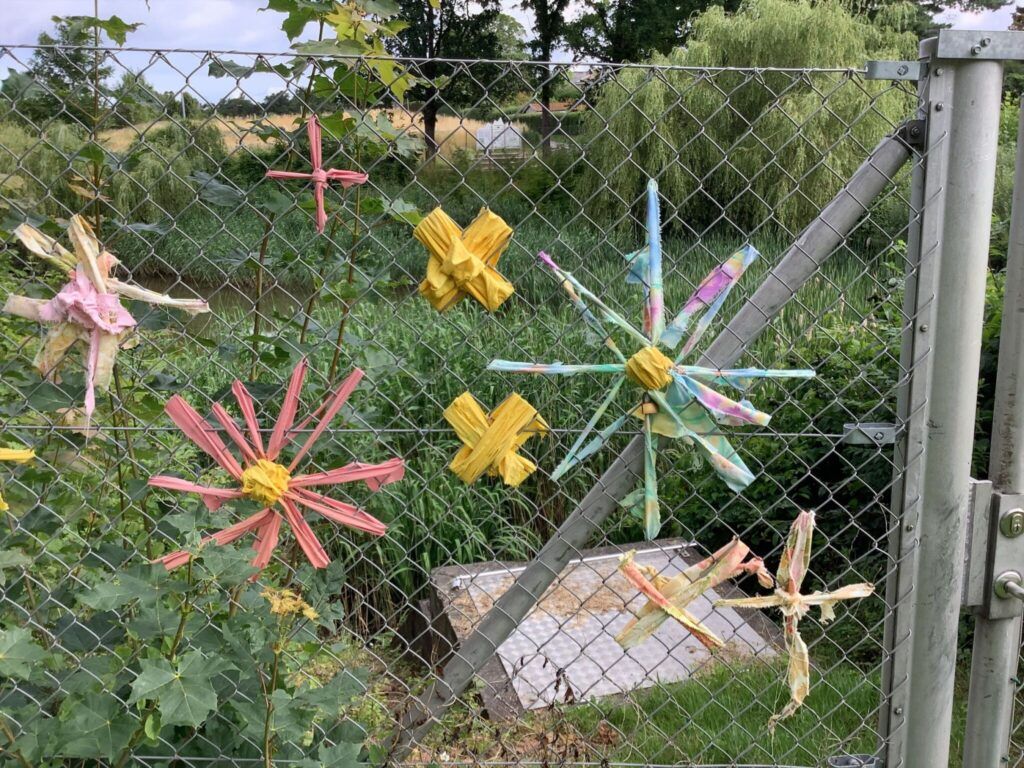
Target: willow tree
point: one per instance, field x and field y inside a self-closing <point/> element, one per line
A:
<point x="739" y="147"/>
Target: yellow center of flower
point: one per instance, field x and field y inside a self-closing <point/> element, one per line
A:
<point x="649" y="368"/>
<point x="265" y="482"/>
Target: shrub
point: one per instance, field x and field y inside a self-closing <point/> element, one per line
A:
<point x="37" y="167"/>
<point x="745" y="145"/>
<point x="158" y="166"/>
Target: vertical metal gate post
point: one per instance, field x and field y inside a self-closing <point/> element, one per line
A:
<point x="918" y="293"/>
<point x="968" y="154"/>
<point x="997" y="640"/>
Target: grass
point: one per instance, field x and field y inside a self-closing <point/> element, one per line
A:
<point x="718" y="717"/>
<point x="452" y="133"/>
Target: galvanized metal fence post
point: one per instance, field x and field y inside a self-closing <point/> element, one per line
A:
<point x="997" y="640"/>
<point x="968" y="155"/>
<point x="918" y="292"/>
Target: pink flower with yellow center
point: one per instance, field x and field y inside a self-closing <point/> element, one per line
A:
<point x="261" y="477"/>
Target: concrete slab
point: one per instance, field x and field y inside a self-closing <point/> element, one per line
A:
<point x="565" y="649"/>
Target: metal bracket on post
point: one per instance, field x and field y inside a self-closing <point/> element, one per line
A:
<point x="869" y="433"/>
<point x="979" y="504"/>
<point x="895" y="70"/>
<point x="1003" y="45"/>
<point x="1005" y="556"/>
<point x="995" y="552"/>
<point x="912" y="133"/>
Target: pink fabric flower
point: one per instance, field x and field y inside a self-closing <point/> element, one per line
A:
<point x="87" y="311"/>
<point x="259" y="476"/>
<point x="96" y="313"/>
<point x="320" y="176"/>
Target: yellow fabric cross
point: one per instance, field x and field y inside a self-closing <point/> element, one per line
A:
<point x="491" y="442"/>
<point x="464" y="262"/>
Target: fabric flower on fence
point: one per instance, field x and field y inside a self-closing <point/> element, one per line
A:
<point x="669" y="597"/>
<point x="17" y="456"/>
<point x="261" y="478"/>
<point x="87" y="309"/>
<point x="793" y="565"/>
<point x="677" y="401"/>
<point x="319" y="175"/>
<point x="464" y="263"/>
<point x="491" y="441"/>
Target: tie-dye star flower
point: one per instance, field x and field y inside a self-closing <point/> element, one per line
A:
<point x="676" y="401"/>
<point x="261" y="478"/>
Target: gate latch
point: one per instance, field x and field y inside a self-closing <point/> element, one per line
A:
<point x="995" y="553"/>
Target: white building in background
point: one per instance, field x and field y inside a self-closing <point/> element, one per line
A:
<point x="498" y="135"/>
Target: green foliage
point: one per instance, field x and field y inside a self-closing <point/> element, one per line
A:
<point x="632" y="30"/>
<point x="158" y="167"/>
<point x="42" y="173"/>
<point x="36" y="167"/>
<point x="741" y="146"/>
<point x="198" y="654"/>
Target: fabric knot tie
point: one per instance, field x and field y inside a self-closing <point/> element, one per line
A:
<point x="792" y="604"/>
<point x="649" y="368"/>
<point x="491" y="441"/>
<point x="319" y="176"/>
<point x="265" y="482"/>
<point x="461" y="264"/>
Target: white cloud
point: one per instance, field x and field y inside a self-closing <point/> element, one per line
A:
<point x="999" y="18"/>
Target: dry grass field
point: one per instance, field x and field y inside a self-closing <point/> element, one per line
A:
<point x="453" y="133"/>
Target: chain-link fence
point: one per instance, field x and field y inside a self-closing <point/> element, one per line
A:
<point x="113" y="661"/>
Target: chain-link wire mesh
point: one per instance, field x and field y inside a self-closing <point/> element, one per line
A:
<point x="167" y="159"/>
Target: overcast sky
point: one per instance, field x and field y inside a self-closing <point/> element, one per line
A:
<point x="235" y="25"/>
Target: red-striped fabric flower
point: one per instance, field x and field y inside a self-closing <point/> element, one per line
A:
<point x="259" y="475"/>
<point x="320" y="176"/>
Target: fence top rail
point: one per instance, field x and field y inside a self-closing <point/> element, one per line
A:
<point x="5" y="47"/>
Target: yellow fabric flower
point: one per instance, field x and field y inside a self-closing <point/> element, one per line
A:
<point x="265" y="481"/>
<point x="491" y="442"/>
<point x="464" y="262"/>
<point x="650" y="368"/>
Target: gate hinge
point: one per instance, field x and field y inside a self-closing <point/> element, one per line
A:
<point x="994" y="568"/>
<point x="895" y="70"/>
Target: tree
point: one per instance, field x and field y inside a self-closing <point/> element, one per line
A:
<point x="510" y="38"/>
<point x="452" y="29"/>
<point x="633" y="30"/>
<point x="237" y="106"/>
<point x="738" y="151"/>
<point x="280" y="103"/>
<point x="64" y="74"/>
<point x="549" y="28"/>
<point x="135" y="101"/>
